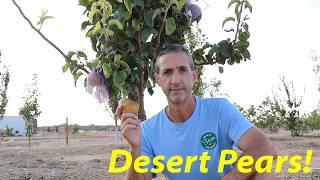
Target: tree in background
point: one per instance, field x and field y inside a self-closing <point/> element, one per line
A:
<point x="316" y="66"/>
<point x="75" y="128"/>
<point x="312" y="121"/>
<point x="289" y="104"/>
<point x="269" y="115"/>
<point x="127" y="35"/>
<point x="251" y="114"/>
<point x="209" y="89"/>
<point x="9" y="131"/>
<point x="4" y="81"/>
<point x="30" y="110"/>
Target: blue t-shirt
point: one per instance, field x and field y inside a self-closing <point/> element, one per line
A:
<point x="215" y="125"/>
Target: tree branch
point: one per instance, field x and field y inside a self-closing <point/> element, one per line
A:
<point x="45" y="38"/>
<point x="239" y="21"/>
<point x="160" y="31"/>
<point x="203" y="63"/>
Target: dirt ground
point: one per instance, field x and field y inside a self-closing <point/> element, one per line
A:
<point x="87" y="156"/>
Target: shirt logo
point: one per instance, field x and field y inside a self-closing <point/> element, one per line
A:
<point x="208" y="140"/>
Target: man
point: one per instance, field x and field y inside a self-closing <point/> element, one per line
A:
<point x="190" y="125"/>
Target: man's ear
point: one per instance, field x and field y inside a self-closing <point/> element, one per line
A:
<point x="195" y="74"/>
<point x="156" y="77"/>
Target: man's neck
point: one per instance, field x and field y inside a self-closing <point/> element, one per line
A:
<point x="179" y="113"/>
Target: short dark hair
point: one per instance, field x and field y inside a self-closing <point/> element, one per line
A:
<point x="173" y="48"/>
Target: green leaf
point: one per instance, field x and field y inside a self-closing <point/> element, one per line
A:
<point x="84" y="25"/>
<point x="129" y="5"/>
<point x="170" y="26"/>
<point x="230" y="61"/>
<point x="123" y="13"/>
<point x="91" y="15"/>
<point x="237" y="11"/>
<point x="116" y="22"/>
<point x="126" y="66"/>
<point x="243" y="36"/>
<point x="241" y="44"/>
<point x="107" y="70"/>
<point x="226" y="48"/>
<point x="130" y="31"/>
<point x="246" y="54"/>
<point x="164" y="3"/>
<point x="65" y="67"/>
<point x="70" y="54"/>
<point x="109" y="32"/>
<point x="248" y="5"/>
<point x="82" y="54"/>
<point x="232" y="2"/>
<point x="146" y="32"/>
<point x="85" y="3"/>
<point x="150" y="87"/>
<point x="74" y="70"/>
<point x="136" y="25"/>
<point x="150" y="91"/>
<point x="119" y="78"/>
<point x="117" y="58"/>
<point x="108" y="5"/>
<point x="156" y="13"/>
<point x="148" y="18"/>
<point x="97" y="28"/>
<point x="227" y="19"/>
<point x="76" y="76"/>
<point x="150" y="15"/>
<point x="179" y="4"/>
<point x="139" y="2"/>
<point x="229" y="30"/>
<point x="107" y="12"/>
<point x="220" y="69"/>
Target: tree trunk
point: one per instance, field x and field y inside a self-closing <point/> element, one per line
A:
<point x="29" y="152"/>
<point x="116" y="131"/>
<point x="138" y="96"/>
<point x="141" y="113"/>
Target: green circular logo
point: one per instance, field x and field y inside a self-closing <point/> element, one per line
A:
<point x="208" y="140"/>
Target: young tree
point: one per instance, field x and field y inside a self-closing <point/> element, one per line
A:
<point x="209" y="89"/>
<point x="4" y="81"/>
<point x="9" y="131"/>
<point x="127" y="35"/>
<point x="269" y="115"/>
<point x="289" y="104"/>
<point x="75" y="128"/>
<point x="30" y="110"/>
<point x="316" y="66"/>
<point x="110" y="108"/>
<point x="312" y="121"/>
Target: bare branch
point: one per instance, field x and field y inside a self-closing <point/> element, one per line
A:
<point x="44" y="37"/>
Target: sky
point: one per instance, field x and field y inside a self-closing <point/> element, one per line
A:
<point x="282" y="35"/>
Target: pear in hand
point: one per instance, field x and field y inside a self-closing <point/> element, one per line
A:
<point x="129" y="106"/>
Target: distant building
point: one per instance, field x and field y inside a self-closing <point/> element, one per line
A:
<point x="17" y="123"/>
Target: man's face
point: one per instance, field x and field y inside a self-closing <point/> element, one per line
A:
<point x="175" y="77"/>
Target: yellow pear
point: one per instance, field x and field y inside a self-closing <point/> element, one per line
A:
<point x="129" y="106"/>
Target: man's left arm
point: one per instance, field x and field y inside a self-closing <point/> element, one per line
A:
<point x="253" y="143"/>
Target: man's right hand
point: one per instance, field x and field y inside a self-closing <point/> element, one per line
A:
<point x="130" y="127"/>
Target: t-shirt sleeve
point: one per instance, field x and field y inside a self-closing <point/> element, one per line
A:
<point x="235" y="123"/>
<point x="146" y="148"/>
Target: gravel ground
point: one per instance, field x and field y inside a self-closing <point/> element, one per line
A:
<point x="87" y="156"/>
